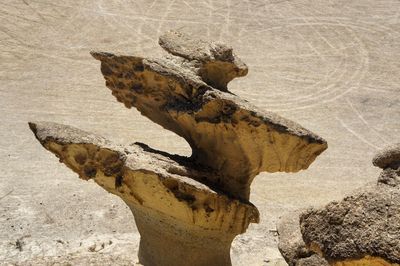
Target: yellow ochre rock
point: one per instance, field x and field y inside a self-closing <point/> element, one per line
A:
<point x="187" y="210"/>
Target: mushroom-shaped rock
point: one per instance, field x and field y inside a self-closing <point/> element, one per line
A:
<point x="226" y="133"/>
<point x="216" y="63"/>
<point x="177" y="216"/>
<point x="187" y="210"/>
<point x="389" y="157"/>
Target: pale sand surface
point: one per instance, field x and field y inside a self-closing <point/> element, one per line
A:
<point x="332" y="66"/>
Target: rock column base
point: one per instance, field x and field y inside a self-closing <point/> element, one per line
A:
<point x="167" y="241"/>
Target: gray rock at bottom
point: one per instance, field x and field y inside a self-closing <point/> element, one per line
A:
<point x="291" y="244"/>
<point x="313" y="260"/>
<point x="362" y="229"/>
<point x="364" y="224"/>
<point x="389" y="157"/>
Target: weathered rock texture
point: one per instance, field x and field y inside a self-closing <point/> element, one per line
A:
<point x="313" y="260"/>
<point x="388" y="157"/>
<point x="227" y="134"/>
<point x="362" y="229"/>
<point x="171" y="208"/>
<point x="291" y="244"/>
<point x="187" y="210"/>
<point x="215" y="62"/>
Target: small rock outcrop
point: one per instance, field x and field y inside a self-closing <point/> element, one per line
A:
<point x="187" y="210"/>
<point x="362" y="229"/>
<point x="388" y="157"/>
<point x="215" y="62"/>
<point x="291" y="244"/>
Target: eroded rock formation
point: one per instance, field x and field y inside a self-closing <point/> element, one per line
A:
<point x="187" y="210"/>
<point x="170" y="206"/>
<point x="362" y="229"/>
<point x="226" y="133"/>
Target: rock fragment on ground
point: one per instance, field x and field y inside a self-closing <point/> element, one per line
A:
<point x="313" y="260"/>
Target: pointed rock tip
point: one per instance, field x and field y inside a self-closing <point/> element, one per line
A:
<point x="33" y="127"/>
<point x="101" y="55"/>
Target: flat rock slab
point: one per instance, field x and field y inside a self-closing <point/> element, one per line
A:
<point x="145" y="178"/>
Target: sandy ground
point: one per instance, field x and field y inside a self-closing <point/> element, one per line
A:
<point x="332" y="66"/>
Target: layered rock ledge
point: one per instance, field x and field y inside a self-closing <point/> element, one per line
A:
<point x="171" y="208"/>
<point x="226" y="133"/>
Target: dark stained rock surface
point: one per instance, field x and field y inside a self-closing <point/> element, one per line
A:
<point x="225" y="132"/>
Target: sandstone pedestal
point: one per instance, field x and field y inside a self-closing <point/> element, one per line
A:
<point x="163" y="240"/>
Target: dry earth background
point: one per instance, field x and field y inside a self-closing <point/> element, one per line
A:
<point x="332" y="66"/>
